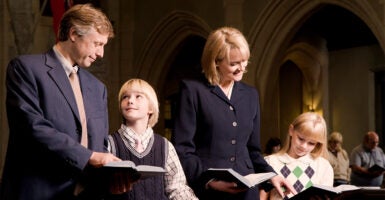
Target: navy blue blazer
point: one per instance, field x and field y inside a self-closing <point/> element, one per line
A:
<point x="212" y="131"/>
<point x="44" y="157"/>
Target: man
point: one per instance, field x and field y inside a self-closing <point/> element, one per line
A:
<point x="45" y="159"/>
<point x="365" y="156"/>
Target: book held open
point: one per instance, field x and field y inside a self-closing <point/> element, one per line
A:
<point x="229" y="175"/>
<point x="376" y="168"/>
<point x="323" y="190"/>
<point x="137" y="171"/>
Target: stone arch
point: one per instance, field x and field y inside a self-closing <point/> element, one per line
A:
<point x="162" y="45"/>
<point x="161" y="49"/>
<point x="272" y="32"/>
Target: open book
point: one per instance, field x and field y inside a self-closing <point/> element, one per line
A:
<point x="323" y="190"/>
<point x="228" y="174"/>
<point x="135" y="171"/>
<point x="376" y="168"/>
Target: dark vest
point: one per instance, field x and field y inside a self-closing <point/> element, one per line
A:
<point x="150" y="188"/>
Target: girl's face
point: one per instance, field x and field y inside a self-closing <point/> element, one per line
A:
<point x="300" y="145"/>
<point x="232" y="69"/>
<point x="135" y="107"/>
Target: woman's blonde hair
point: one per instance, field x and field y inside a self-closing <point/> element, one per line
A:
<point x="217" y="48"/>
<point x="313" y="126"/>
<point x="141" y="86"/>
<point x="336" y="137"/>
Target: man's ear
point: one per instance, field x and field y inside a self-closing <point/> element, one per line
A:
<point x="72" y="35"/>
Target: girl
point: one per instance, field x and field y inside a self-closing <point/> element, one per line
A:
<point x="303" y="158"/>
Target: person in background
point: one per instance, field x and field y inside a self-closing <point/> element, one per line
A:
<point x="339" y="159"/>
<point x="47" y="158"/>
<point x="218" y="120"/>
<point x="136" y="141"/>
<point x="303" y="158"/>
<point x="273" y="145"/>
<point x="365" y="156"/>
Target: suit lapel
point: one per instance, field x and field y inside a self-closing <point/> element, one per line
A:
<point x="237" y="92"/>
<point x="236" y="95"/>
<point x="58" y="75"/>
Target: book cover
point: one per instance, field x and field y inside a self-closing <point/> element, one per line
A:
<point x="228" y="174"/>
<point x="135" y="171"/>
<point x="376" y="168"/>
<point x="322" y="191"/>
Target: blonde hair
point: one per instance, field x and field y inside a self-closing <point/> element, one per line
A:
<point x="336" y="137"/>
<point x="312" y="126"/>
<point x="83" y="18"/>
<point x="217" y="48"/>
<point x="145" y="88"/>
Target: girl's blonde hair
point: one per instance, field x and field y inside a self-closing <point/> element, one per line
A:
<point x="139" y="85"/>
<point x="217" y="48"/>
<point x="312" y="126"/>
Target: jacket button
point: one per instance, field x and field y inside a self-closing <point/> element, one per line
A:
<point x="234" y="123"/>
<point x="233" y="141"/>
<point x="232" y="159"/>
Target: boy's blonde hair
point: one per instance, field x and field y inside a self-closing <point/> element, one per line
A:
<point x="313" y="126"/>
<point x="217" y="48"/>
<point x="139" y="85"/>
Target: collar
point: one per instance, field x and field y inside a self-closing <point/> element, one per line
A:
<point x="286" y="159"/>
<point x="68" y="68"/>
<point x="131" y="135"/>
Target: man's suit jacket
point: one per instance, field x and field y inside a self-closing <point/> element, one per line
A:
<point x="44" y="157"/>
<point x="212" y="131"/>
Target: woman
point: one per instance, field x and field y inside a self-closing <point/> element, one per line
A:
<point x="339" y="159"/>
<point x="218" y="120"/>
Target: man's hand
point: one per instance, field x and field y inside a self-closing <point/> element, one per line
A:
<point x="120" y="182"/>
<point x="99" y="159"/>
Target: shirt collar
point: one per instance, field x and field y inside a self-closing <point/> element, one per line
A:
<point x="68" y="68"/>
<point x="131" y="135"/>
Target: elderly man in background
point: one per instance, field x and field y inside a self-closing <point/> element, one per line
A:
<point x="363" y="158"/>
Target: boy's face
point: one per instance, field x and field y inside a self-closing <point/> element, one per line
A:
<point x="135" y="107"/>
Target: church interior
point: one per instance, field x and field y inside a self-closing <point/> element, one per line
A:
<point x="324" y="56"/>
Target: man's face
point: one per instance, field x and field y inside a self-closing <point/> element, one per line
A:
<point x="372" y="142"/>
<point x="87" y="48"/>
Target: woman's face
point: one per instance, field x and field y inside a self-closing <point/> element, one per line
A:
<point x="333" y="145"/>
<point x="232" y="69"/>
<point x="300" y="144"/>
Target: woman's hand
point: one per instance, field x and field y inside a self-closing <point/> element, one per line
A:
<point x="229" y="187"/>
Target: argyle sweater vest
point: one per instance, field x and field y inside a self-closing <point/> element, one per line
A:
<point x="150" y="188"/>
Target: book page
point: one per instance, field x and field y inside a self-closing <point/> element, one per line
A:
<point x="346" y="187"/>
<point x="121" y="164"/>
<point x="254" y="179"/>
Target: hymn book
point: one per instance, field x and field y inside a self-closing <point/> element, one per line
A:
<point x="229" y="175"/>
<point x="135" y="171"/>
<point x="376" y="168"/>
<point x="322" y="191"/>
